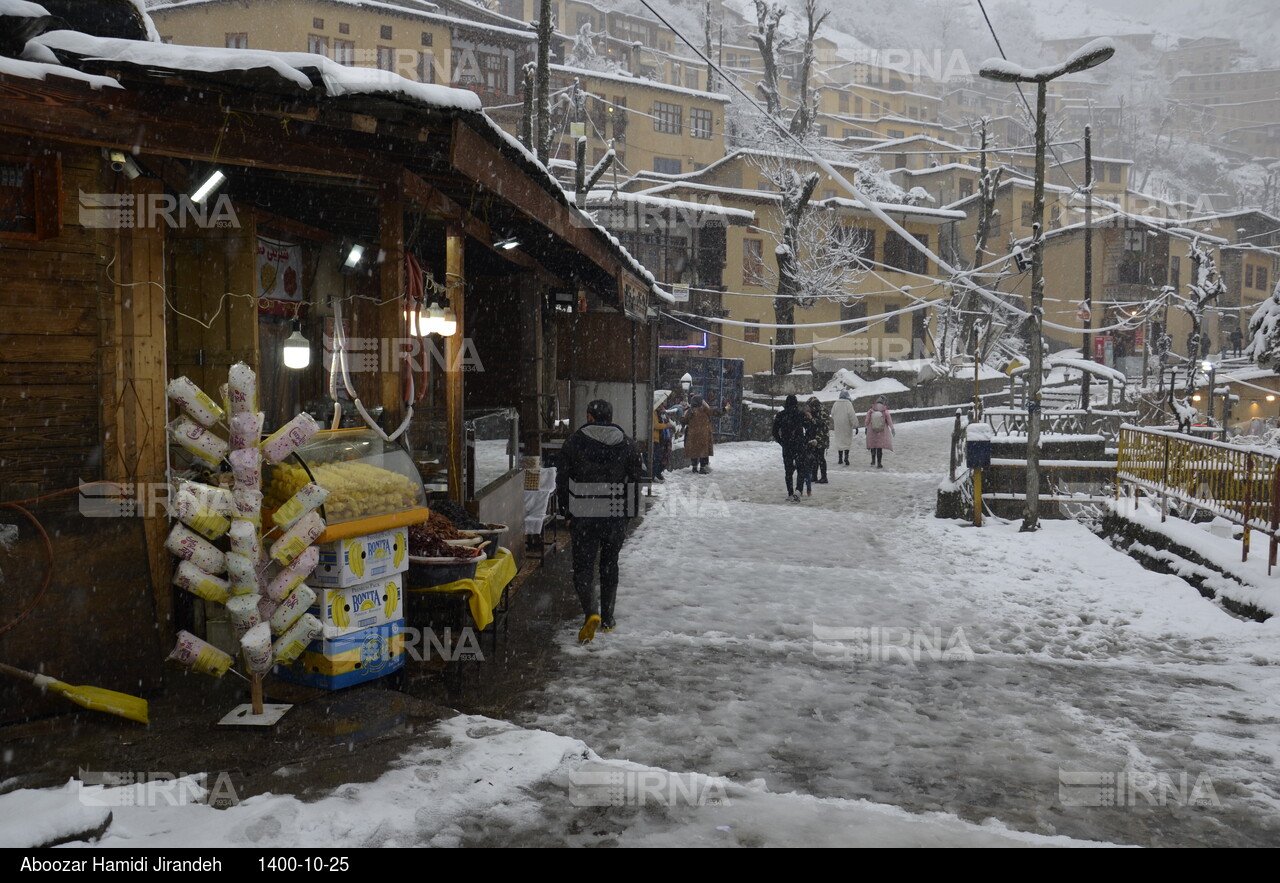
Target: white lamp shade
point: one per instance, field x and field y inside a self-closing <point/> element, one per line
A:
<point x="448" y="323"/>
<point x="297" y="351"/>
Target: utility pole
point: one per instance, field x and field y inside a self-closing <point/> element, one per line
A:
<point x="1090" y="55"/>
<point x="1088" y="264"/>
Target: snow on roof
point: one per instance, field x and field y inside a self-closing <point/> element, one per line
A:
<point x="638" y="81"/>
<point x="336" y="79"/>
<point x="936" y="214"/>
<point x="1169" y="225"/>
<point x="39" y="70"/>
<point x="602" y="199"/>
<point x="931" y="139"/>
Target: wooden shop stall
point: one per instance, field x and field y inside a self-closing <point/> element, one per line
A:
<point x="380" y="234"/>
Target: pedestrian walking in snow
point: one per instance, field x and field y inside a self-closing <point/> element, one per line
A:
<point x="791" y="429"/>
<point x="597" y="488"/>
<point x="844" y="425"/>
<point x="879" y="425"/>
<point x="821" y="441"/>
<point x="699" y="437"/>
<point x="1237" y="340"/>
<point x="662" y="432"/>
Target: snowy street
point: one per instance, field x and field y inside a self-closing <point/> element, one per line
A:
<point x="847" y="670"/>
<point x="1081" y="660"/>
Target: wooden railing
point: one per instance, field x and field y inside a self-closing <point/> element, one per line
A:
<point x="1238" y="483"/>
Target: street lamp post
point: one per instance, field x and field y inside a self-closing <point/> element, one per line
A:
<point x="1212" y="370"/>
<point x="1090" y="55"/>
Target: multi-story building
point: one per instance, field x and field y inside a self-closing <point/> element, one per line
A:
<point x="425" y="42"/>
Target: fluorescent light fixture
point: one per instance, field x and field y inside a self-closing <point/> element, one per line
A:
<point x="354" y="255"/>
<point x="211" y="183"/>
<point x="297" y="350"/>
<point x="507" y="244"/>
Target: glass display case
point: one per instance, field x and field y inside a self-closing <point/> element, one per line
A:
<point x="493" y="444"/>
<point x="365" y="476"/>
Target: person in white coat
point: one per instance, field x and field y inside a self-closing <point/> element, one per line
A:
<point x="844" y="426"/>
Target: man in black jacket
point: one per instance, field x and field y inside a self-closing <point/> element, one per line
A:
<point x="598" y="488"/>
<point x="793" y="431"/>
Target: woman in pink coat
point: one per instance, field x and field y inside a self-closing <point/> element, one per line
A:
<point x="879" y="426"/>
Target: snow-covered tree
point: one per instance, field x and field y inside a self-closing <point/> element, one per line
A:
<point x="583" y="54"/>
<point x="1264" y="332"/>
<point x="818" y="259"/>
<point x="1205" y="287"/>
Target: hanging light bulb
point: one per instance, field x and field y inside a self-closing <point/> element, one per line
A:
<point x="297" y="349"/>
<point x="415" y="316"/>
<point x="432" y="319"/>
<point x="448" y="323"/>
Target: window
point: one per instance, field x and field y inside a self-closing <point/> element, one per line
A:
<point x="847" y="133"/>
<point x="897" y="133"/>
<point x="1248" y="275"/>
<point x="667" y="166"/>
<point x="1055" y="216"/>
<point x="384" y="32"/>
<point x="691" y="78"/>
<point x="843" y="102"/>
<point x="317" y="23"/>
<point x="857" y="105"/>
<point x="238" y="41"/>
<point x="344" y="52"/>
<point x="344" y="28"/>
<point x="1261" y="278"/>
<point x="667" y="118"/>
<point x="901" y="255"/>
<point x="699" y="123"/>
<point x="1175" y="272"/>
<point x="1028" y="213"/>
<point x="317" y="45"/>
<point x="900" y="161"/>
<point x="386" y="58"/>
<point x="851" y="315"/>
<point x="751" y="333"/>
<point x="1113" y="173"/>
<point x="822" y="130"/>
<point x="828" y="193"/>
<point x="427" y="38"/>
<point x="966" y="187"/>
<point x="891" y="323"/>
<point x="753" y="261"/>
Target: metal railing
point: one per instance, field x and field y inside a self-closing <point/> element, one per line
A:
<point x="1237" y="483"/>
<point x="1070" y="421"/>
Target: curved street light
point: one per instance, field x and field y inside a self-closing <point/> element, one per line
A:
<point x="1090" y="55"/>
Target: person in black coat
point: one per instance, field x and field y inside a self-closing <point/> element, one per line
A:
<point x="597" y="485"/>
<point x="793" y="430"/>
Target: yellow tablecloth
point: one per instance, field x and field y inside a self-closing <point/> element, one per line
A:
<point x="484" y="589"/>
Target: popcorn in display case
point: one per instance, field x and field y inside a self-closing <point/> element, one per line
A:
<point x="363" y="475"/>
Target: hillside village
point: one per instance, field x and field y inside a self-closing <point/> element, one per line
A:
<point x="690" y="191"/>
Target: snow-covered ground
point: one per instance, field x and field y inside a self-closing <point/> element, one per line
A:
<point x="847" y="670"/>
